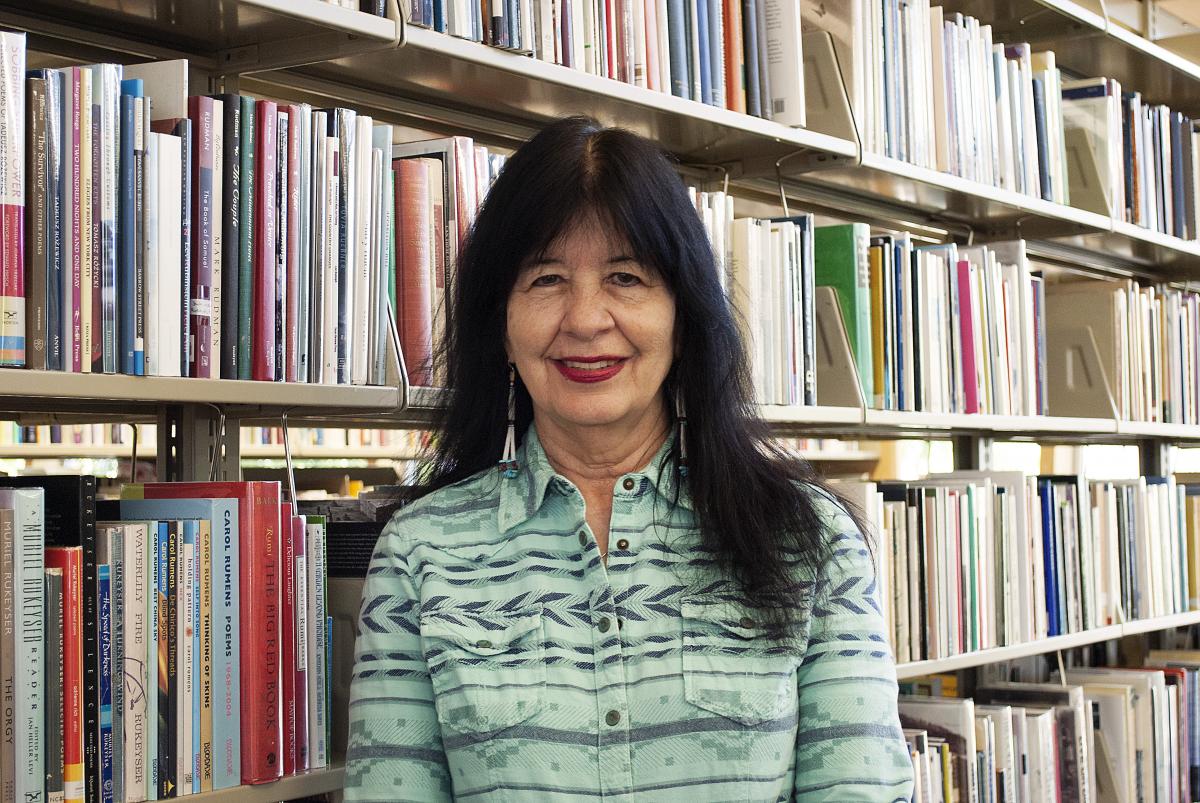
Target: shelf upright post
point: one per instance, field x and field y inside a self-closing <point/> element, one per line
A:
<point x="197" y="443"/>
<point x="1155" y="457"/>
<point x="972" y="452"/>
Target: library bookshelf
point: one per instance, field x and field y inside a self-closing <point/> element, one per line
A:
<point x="311" y="50"/>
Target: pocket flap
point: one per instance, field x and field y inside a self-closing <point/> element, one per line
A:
<point x="737" y="620"/>
<point x="483" y="634"/>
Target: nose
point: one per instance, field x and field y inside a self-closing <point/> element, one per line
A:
<point x="587" y="314"/>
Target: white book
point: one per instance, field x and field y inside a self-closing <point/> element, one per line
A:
<point x="29" y="595"/>
<point x="170" y="260"/>
<point x="150" y="253"/>
<point x="318" y="670"/>
<point x="664" y="52"/>
<point x="304" y="262"/>
<point x="785" y="62"/>
<point x="136" y="671"/>
<point x="329" y="372"/>
<point x="360" y="273"/>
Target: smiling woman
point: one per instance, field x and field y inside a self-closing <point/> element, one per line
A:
<point x="650" y="599"/>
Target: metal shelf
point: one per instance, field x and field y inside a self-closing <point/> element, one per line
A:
<point x="206" y="29"/>
<point x="118" y="397"/>
<point x="316" y="782"/>
<point x="457" y="81"/>
<point x="981" y="657"/>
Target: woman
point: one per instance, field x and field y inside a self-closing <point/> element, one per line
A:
<point x="648" y="600"/>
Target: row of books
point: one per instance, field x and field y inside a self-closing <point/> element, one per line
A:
<point x="744" y="55"/>
<point x="175" y="642"/>
<point x="1136" y="161"/>
<point x="1148" y="340"/>
<point x="206" y="236"/>
<point x="973" y="560"/>
<point x="401" y="441"/>
<point x="15" y="434"/>
<point x="942" y="94"/>
<point x="376" y="8"/>
<point x="1089" y="733"/>
<point x="440" y="185"/>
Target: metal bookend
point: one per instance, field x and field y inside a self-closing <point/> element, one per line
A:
<point x="287" y="458"/>
<point x="838" y="384"/>
<point x="397" y="371"/>
<point x="1078" y="385"/>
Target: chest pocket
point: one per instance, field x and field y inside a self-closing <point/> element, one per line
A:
<point x="488" y="670"/>
<point x="732" y="668"/>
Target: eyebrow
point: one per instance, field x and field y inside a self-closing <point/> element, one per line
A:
<point x="545" y="260"/>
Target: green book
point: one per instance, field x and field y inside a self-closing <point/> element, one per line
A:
<point x="246" y="239"/>
<point x="843" y="263"/>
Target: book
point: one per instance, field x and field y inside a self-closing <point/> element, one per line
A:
<point x="37" y="251"/>
<point x="12" y="200"/>
<point x="841" y="262"/>
<point x="199" y="347"/>
<point x="54" y="685"/>
<point x="69" y="561"/>
<point x="259" y="534"/>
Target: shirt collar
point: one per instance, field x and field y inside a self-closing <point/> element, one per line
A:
<point x="522" y="496"/>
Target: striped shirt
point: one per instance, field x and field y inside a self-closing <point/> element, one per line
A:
<point x="499" y="658"/>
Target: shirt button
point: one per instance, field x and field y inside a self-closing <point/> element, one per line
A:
<point x="603" y="624"/>
<point x="628" y="484"/>
<point x="483" y="644"/>
<point x="623" y="544"/>
<point x="583" y="537"/>
<point x="612" y="717"/>
<point x="746" y="622"/>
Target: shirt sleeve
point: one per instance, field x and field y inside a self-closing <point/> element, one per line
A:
<point x="395" y="748"/>
<point x="849" y="746"/>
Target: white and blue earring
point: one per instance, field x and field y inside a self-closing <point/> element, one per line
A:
<point x="508" y="461"/>
<point x="681" y="418"/>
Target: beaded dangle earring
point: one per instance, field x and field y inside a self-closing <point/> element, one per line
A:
<point x="508" y="461"/>
<point x="681" y="417"/>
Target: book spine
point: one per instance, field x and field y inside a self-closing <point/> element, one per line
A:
<point x="231" y="245"/>
<point x="129" y="246"/>
<point x="8" y="666"/>
<point x="227" y="770"/>
<point x="247" y="232"/>
<point x="106" y="356"/>
<point x="187" y="256"/>
<point x="200" y="110"/>
<point x="89" y="146"/>
<point x="184" y="669"/>
<point x="287" y="638"/>
<point x="76" y="212"/>
<point x="12" y="199"/>
<point x="136" y="683"/>
<point x="140" y="143"/>
<point x="282" y="245"/>
<point x="151" y="252"/>
<point x="154" y="605"/>
<point x="104" y="627"/>
<point x="265" y="242"/>
<point x="300" y="678"/>
<point x="204" y="583"/>
<point x="70" y="561"/>
<point x="55" y="233"/>
<point x="168" y="647"/>
<point x="343" y="122"/>
<point x="218" y="233"/>
<point x="194" y="643"/>
<point x="292" y="329"/>
<point x="54" y="685"/>
<point x="117" y="651"/>
<point x="317" y="667"/>
<point x="37" y="251"/>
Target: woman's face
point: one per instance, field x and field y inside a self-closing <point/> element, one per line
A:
<point x="591" y="330"/>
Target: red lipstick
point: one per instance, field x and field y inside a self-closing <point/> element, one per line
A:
<point x="589" y="375"/>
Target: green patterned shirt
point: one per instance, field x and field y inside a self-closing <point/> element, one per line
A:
<point x="498" y="658"/>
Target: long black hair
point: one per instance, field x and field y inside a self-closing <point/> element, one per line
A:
<point x="746" y="491"/>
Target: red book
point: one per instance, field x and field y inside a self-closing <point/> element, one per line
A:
<point x="966" y="328"/>
<point x="414" y="267"/>
<point x="76" y="192"/>
<point x="259" y="542"/>
<point x="287" y="638"/>
<point x="292" y="330"/>
<point x="200" y="111"/>
<point x="300" y="677"/>
<point x="70" y="560"/>
<point x="262" y="321"/>
<point x="12" y="200"/>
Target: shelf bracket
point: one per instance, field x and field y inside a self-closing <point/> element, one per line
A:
<point x="197" y="443"/>
<point x="298" y="51"/>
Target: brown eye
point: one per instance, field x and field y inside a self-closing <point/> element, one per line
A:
<point x="624" y="279"/>
<point x="546" y="280"/>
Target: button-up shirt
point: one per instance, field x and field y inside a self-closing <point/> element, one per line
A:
<point x="500" y="658"/>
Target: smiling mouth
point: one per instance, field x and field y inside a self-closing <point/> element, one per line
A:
<point x="587" y="370"/>
<point x="591" y="365"/>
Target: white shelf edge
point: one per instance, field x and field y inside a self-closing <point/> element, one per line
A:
<point x="816" y="414"/>
<point x="335" y="18"/>
<point x="967" y="660"/>
<point x="419" y="38"/>
<point x="313" y="782"/>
